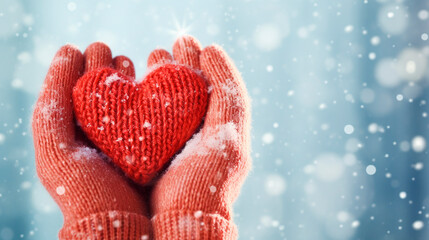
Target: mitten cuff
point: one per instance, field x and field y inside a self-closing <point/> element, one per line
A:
<point x="182" y="224"/>
<point x="108" y="225"/>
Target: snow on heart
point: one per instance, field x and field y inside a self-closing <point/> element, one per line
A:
<point x="112" y="78"/>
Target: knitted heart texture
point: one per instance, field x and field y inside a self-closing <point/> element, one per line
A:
<point x="140" y="125"/>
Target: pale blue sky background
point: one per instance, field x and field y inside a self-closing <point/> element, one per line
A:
<point x="339" y="92"/>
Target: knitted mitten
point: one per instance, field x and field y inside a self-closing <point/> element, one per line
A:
<point x="97" y="202"/>
<point x="193" y="199"/>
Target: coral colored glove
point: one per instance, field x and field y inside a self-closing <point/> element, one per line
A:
<point x="193" y="200"/>
<point x="97" y="202"/>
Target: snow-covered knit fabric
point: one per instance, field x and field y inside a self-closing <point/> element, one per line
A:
<point x="191" y="200"/>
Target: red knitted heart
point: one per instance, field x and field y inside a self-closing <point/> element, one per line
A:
<point x="140" y="126"/>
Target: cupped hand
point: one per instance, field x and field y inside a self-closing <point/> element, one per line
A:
<point x="194" y="198"/>
<point x="96" y="200"/>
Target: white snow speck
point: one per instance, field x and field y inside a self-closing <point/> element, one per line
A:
<point x="230" y="88"/>
<point x="418" y="166"/>
<point x="48" y="109"/>
<point x="186" y="221"/>
<point x="61" y="190"/>
<point x="126" y="63"/>
<point x="2" y="138"/>
<point x="144" y="237"/>
<point x="112" y="78"/>
<point x="116" y="224"/>
<point x="343" y="216"/>
<point x="322" y="106"/>
<point x="17" y="83"/>
<point x="113" y="214"/>
<point x="275" y="185"/>
<point x="84" y="153"/>
<point x="372" y="128"/>
<point x="355" y="224"/>
<point x="418" y="144"/>
<point x="268" y="138"/>
<point x="399" y="97"/>
<point x="268" y="37"/>
<point x="24" y="57"/>
<point x="60" y="60"/>
<point x="386" y="73"/>
<point x="198" y="214"/>
<point x="213" y="189"/>
<point x="375" y="40"/>
<point x="423" y="14"/>
<point x="402" y="195"/>
<point x="71" y="6"/>
<point x="106" y="119"/>
<point x="348" y="28"/>
<point x="411" y="64"/>
<point x="26" y="185"/>
<point x="147" y="124"/>
<point x="370" y="169"/>
<point x="130" y="159"/>
<point x="349" y="129"/>
<point x="410" y="67"/>
<point x="418" y="225"/>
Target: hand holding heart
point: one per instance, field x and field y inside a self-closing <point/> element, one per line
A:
<point x="140" y="126"/>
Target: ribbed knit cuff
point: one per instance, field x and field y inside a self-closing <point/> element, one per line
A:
<point x="192" y="225"/>
<point x="108" y="225"/>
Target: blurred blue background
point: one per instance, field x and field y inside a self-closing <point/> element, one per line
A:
<point x="339" y="90"/>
